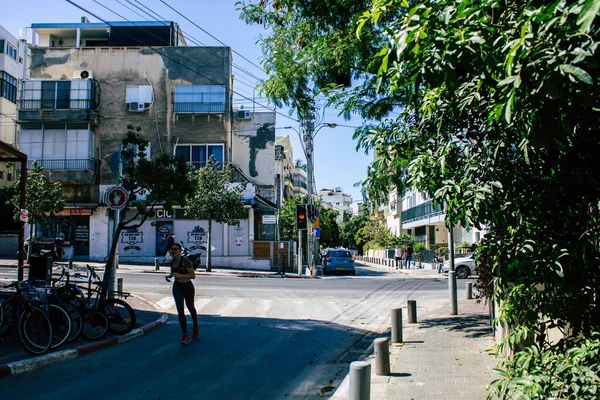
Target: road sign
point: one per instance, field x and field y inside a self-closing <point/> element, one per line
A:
<point x="269" y="219"/>
<point x="317" y="232"/>
<point x="23" y="215"/>
<point x="116" y="198"/>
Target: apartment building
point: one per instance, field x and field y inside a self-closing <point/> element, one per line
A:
<point x="88" y="82"/>
<point x="338" y="200"/>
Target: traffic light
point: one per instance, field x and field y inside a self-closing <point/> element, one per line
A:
<point x="301" y="217"/>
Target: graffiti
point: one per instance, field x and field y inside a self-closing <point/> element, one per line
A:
<point x="197" y="236"/>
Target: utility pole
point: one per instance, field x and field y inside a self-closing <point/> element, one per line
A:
<point x="308" y="141"/>
<point x="452" y="274"/>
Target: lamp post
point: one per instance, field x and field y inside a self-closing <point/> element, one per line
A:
<point x="308" y="152"/>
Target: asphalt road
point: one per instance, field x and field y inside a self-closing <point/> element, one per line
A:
<point x="260" y="338"/>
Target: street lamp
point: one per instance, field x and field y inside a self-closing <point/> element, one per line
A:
<point x="308" y="152"/>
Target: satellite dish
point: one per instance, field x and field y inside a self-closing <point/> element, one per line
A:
<point x="84" y="74"/>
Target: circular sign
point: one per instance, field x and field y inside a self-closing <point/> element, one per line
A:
<point x="116" y="198"/>
<point x="23" y="215"/>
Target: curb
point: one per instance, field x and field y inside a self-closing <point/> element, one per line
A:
<point x="19" y="367"/>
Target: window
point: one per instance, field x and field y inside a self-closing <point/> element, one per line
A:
<point x="60" y="146"/>
<point x="1" y="46"/>
<point x="198" y="154"/>
<point x="1" y="174"/>
<point x="11" y="51"/>
<point x="8" y="176"/>
<point x="58" y="95"/>
<point x="200" y="99"/>
<point x="8" y="87"/>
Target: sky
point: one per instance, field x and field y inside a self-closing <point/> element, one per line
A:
<point x="215" y="23"/>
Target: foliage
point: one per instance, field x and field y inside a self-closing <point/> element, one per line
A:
<point x="215" y="198"/>
<point x="43" y="197"/>
<point x="160" y="182"/>
<point x="541" y="373"/>
<point x="349" y="230"/>
<point x="419" y="247"/>
<point x="7" y="221"/>
<point x="497" y="106"/>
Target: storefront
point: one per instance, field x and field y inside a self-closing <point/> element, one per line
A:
<point x="72" y="225"/>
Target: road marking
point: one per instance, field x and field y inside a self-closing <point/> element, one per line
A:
<point x="201" y="303"/>
<point x="166" y="303"/>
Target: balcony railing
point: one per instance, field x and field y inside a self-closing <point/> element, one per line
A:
<point x="59" y="99"/>
<point x="184" y="107"/>
<point x="85" y="164"/>
<point x="425" y="210"/>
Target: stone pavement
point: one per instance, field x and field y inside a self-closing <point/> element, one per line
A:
<point x="442" y="357"/>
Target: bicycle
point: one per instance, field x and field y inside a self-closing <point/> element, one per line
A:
<point x="21" y="311"/>
<point x="94" y="322"/>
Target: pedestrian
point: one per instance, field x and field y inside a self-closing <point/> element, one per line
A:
<point x="183" y="290"/>
<point x="398" y="256"/>
<point x="170" y="240"/>
<point x="408" y="252"/>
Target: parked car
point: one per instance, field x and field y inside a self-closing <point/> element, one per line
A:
<point x="464" y="266"/>
<point x="338" y="261"/>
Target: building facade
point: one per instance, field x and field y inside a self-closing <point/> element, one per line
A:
<point x="88" y="82"/>
<point x="338" y="200"/>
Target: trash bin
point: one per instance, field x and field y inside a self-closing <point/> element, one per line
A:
<point x="40" y="268"/>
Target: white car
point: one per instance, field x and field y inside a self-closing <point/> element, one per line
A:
<point x="464" y="266"/>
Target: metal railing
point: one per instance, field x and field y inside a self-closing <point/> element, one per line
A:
<point x="85" y="164"/>
<point x="185" y="107"/>
<point x="421" y="211"/>
<point x="59" y="100"/>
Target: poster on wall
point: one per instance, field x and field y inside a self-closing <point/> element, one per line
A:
<point x="163" y="230"/>
<point x="238" y="236"/>
<point x="197" y="240"/>
<point x="132" y="239"/>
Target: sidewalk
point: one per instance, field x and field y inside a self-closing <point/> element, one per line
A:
<point x="442" y="357"/>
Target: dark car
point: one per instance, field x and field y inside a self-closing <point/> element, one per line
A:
<point x="338" y="261"/>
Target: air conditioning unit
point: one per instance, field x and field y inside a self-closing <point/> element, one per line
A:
<point x="243" y="114"/>
<point x="136" y="107"/>
<point x="83" y="74"/>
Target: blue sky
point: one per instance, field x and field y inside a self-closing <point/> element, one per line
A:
<point x="337" y="163"/>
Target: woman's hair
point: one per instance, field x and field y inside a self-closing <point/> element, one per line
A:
<point x="178" y="245"/>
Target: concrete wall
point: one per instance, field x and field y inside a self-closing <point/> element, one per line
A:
<point x="115" y="68"/>
<point x="254" y="147"/>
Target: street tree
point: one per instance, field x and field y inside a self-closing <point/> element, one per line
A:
<point x="150" y="184"/>
<point x="215" y="198"/>
<point x="497" y="107"/>
<point x="43" y="199"/>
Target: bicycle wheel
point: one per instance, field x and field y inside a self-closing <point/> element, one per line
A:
<point x="95" y="324"/>
<point x="61" y="325"/>
<point x="121" y="316"/>
<point x="76" y="321"/>
<point x="35" y="331"/>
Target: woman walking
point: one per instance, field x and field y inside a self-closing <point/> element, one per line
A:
<point x="183" y="290"/>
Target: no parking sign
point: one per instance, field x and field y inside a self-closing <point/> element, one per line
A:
<point x="23" y="215"/>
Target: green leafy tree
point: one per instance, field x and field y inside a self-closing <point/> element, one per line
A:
<point x="43" y="199"/>
<point x="349" y="230"/>
<point x="215" y="198"/>
<point x="330" y="231"/>
<point x="161" y="182"/>
<point x="497" y="118"/>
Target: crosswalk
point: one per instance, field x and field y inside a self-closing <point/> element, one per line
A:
<point x="372" y="313"/>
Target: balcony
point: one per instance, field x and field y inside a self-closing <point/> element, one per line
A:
<point x="86" y="164"/>
<point x="59" y="101"/>
<point x="199" y="108"/>
<point x="422" y="211"/>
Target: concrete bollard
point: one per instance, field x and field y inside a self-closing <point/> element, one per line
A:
<point x="120" y="285"/>
<point x="70" y="263"/>
<point x="360" y="380"/>
<point x="412" y="311"/>
<point x="382" y="356"/>
<point x="469" y="290"/>
<point x="397" y="325"/>
<point x="156" y="265"/>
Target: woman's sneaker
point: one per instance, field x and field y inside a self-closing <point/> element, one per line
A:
<point x="185" y="340"/>
<point x="196" y="332"/>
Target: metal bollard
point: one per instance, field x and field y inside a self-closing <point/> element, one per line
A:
<point x="412" y="311"/>
<point x="70" y="263"/>
<point x="382" y="356"/>
<point x="360" y="380"/>
<point x="120" y="285"/>
<point x="469" y="290"/>
<point x="156" y="265"/>
<point x="397" y="325"/>
<point x="453" y="294"/>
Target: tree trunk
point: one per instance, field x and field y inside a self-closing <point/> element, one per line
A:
<point x="208" y="247"/>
